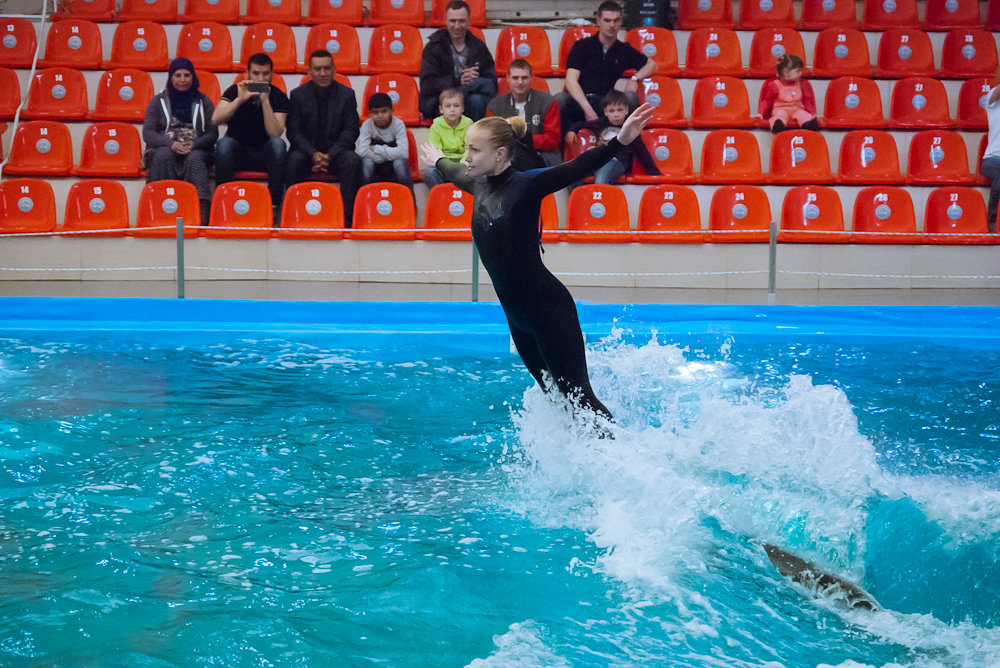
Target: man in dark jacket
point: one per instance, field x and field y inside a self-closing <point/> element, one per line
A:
<point x="455" y="58"/>
<point x="323" y="126"/>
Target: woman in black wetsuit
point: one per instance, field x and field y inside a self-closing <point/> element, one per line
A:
<point x="540" y="311"/>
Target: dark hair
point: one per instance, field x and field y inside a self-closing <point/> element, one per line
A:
<point x="614" y="97"/>
<point x="260" y="59"/>
<point x="379" y="101"/>
<point x="789" y="61"/>
<point x="450" y="93"/>
<point x="520" y="64"/>
<point x="319" y="53"/>
<point x="458" y="4"/>
<point x="609" y="6"/>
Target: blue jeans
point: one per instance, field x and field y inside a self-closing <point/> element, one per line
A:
<point x="397" y="171"/>
<point x="268" y="157"/>
<point x="609" y="174"/>
<point x="476" y="95"/>
<point x="991" y="170"/>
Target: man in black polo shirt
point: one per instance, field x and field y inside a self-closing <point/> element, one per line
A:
<point x="256" y="122"/>
<point x="595" y="64"/>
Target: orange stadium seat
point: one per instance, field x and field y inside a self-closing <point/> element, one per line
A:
<point x="919" y="102"/>
<point x="349" y="12"/>
<point x="110" y="149"/>
<point x="161" y="203"/>
<point x="884" y="215"/>
<point x="287" y="12"/>
<point x="739" y="214"/>
<point x="312" y="210"/>
<point x="968" y="53"/>
<point x="40" y="147"/>
<point x="938" y="157"/>
<point x="402" y="12"/>
<point x="812" y="214"/>
<point x="597" y="213"/>
<point x="10" y="93"/>
<point x="160" y="11"/>
<point x="956" y="211"/>
<point x="951" y="14"/>
<point x="412" y="157"/>
<point x="90" y="10"/>
<point x="548" y="219"/>
<point x="665" y="96"/>
<point x="219" y="11"/>
<point x="868" y="156"/>
<point x="537" y="83"/>
<point x="528" y="42"/>
<point x="905" y="52"/>
<point x="240" y="204"/>
<point x="841" y="52"/>
<point x="584" y="141"/>
<point x="277" y="80"/>
<point x="888" y="14"/>
<point x="669" y="214"/>
<point x="570" y="37"/>
<point x="403" y="91"/>
<point x="26" y="206"/>
<point x="478" y="17"/>
<point x="394" y="48"/>
<point x="139" y="44"/>
<point x="208" y="84"/>
<point x="17" y="42"/>
<point x="384" y="211"/>
<point x="768" y="45"/>
<point x="122" y="95"/>
<point x="720" y="102"/>
<point x="274" y="39"/>
<point x="713" y="51"/>
<point x="208" y="45"/>
<point x="655" y="43"/>
<point x="339" y="39"/>
<point x="853" y="102"/>
<point x="671" y="150"/>
<point x="447" y="215"/>
<point x="96" y="204"/>
<point x="730" y="156"/>
<point x="757" y="14"/>
<point x="823" y="14"/>
<point x="57" y="92"/>
<point x="799" y="156"/>
<point x="693" y="14"/>
<point x="972" y="98"/>
<point x="73" y="43"/>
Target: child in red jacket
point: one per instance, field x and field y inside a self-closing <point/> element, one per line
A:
<point x="788" y="97"/>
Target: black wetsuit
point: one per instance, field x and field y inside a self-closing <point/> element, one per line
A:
<point x="540" y="310"/>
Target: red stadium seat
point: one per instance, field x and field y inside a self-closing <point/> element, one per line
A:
<point x="403" y="91"/>
<point x="219" y="11"/>
<point x="528" y="42"/>
<point x="739" y="214"/>
<point x="570" y="37"/>
<point x="869" y="156"/>
<point x="657" y="44"/>
<point x="478" y="17"/>
<point x="122" y="95"/>
<point x="713" y="51"/>
<point x="161" y="203"/>
<point x="841" y="52"/>
<point x="919" y="102"/>
<point x="954" y="211"/>
<point x="208" y="45"/>
<point x="394" y="48"/>
<point x="665" y="96"/>
<point x="159" y="11"/>
<point x="884" y="215"/>
<point x="889" y="14"/>
<point x="669" y="214"/>
<point x="993" y="15"/>
<point x="447" y="215"/>
<point x="348" y="12"/>
<point x="720" y="102"/>
<point x="757" y="14"/>
<point x="139" y="44"/>
<point x="110" y="149"/>
<point x="980" y="154"/>
<point x="400" y="12"/>
<point x="208" y="84"/>
<point x="26" y="206"/>
<point x="730" y="156"/>
<point x="89" y="10"/>
<point x="339" y="39"/>
<point x="96" y="204"/>
<point x="671" y="150"/>
<point x="693" y="14"/>
<point x="597" y="213"/>
<point x="938" y="157"/>
<point x="240" y="204"/>
<point x="823" y="14"/>
<point x="40" y="147"/>
<point x="768" y="45"/>
<point x="951" y="14"/>
<point x="274" y="39"/>
<point x="548" y="219"/>
<point x="10" y="93"/>
<point x="968" y="53"/>
<point x="73" y="43"/>
<point x="286" y="12"/>
<point x="812" y="214"/>
<point x="800" y="156"/>
<point x="384" y="211"/>
<point x="972" y="98"/>
<point x="537" y="83"/>
<point x="412" y="158"/>
<point x="584" y="141"/>
<point x="905" y="52"/>
<point x="17" y="42"/>
<point x="853" y="102"/>
<point x="57" y="93"/>
<point x="312" y="210"/>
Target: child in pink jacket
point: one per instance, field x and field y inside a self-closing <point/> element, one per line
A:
<point x="788" y="98"/>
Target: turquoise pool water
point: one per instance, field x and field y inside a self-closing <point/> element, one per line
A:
<point x="215" y="491"/>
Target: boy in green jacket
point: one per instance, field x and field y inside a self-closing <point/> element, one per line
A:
<point x="447" y="133"/>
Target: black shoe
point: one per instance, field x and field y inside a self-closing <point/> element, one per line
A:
<point x="811" y="124"/>
<point x="778" y="126"/>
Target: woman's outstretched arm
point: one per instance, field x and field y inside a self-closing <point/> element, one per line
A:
<point x="453" y="171"/>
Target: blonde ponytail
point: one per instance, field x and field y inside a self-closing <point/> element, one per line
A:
<point x="517" y="126"/>
<point x="502" y="131"/>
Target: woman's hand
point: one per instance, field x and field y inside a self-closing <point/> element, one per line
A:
<point x="430" y="154"/>
<point x="635" y="123"/>
<point x="181" y="147"/>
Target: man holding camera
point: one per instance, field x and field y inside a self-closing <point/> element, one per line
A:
<point x="256" y="112"/>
